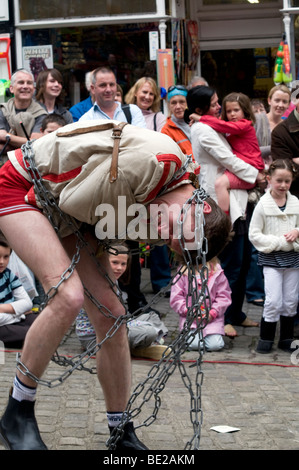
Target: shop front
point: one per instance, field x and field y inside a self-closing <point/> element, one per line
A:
<point x="291" y="14"/>
<point x="232" y="43"/>
<point x="77" y="50"/>
<point x="76" y="37"/>
<point x="238" y="44"/>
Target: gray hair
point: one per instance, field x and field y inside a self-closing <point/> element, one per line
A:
<point x="100" y="70"/>
<point x="196" y="80"/>
<point x="14" y="75"/>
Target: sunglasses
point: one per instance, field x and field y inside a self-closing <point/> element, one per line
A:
<point x="176" y="87"/>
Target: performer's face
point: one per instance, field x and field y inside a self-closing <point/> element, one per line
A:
<point x="174" y="225"/>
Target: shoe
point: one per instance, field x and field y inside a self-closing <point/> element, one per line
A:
<point x="264" y="346"/>
<point x="288" y="345"/>
<point x="18" y="427"/>
<point x="267" y="335"/>
<point x="286" y="336"/>
<point x="129" y="440"/>
<point x="155" y="351"/>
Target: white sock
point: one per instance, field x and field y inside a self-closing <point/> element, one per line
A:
<point x="114" y="418"/>
<point x="22" y="392"/>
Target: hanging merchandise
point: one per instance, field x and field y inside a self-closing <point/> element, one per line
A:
<point x="193" y="34"/>
<point x="282" y="68"/>
<point x="176" y="45"/>
<point x="184" y="45"/>
<point x="286" y="69"/>
<point x="278" y="64"/>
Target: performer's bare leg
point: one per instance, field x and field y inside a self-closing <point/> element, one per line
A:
<point x="113" y="358"/>
<point x="34" y="240"/>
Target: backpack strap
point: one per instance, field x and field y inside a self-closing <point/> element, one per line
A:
<point x="155" y="122"/>
<point x="116" y="135"/>
<point x="127" y="112"/>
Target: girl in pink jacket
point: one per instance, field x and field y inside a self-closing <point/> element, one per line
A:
<point x="220" y="299"/>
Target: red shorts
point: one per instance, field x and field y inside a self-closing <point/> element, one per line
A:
<point x="13" y="189"/>
<point x="237" y="183"/>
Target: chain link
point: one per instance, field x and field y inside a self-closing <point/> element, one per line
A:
<point x="197" y="301"/>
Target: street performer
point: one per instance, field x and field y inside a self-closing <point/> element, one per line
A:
<point x="88" y="168"/>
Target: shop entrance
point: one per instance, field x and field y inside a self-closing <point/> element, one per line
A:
<point x="125" y="48"/>
<point x="249" y="71"/>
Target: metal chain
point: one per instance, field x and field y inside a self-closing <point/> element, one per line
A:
<point x="196" y="302"/>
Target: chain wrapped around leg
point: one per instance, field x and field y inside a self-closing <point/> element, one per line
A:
<point x="156" y="380"/>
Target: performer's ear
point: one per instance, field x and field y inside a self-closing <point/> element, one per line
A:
<point x="206" y="208"/>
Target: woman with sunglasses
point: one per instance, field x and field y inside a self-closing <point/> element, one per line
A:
<point x="175" y="126"/>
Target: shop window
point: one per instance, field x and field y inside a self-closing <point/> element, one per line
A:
<point x="125" y="48"/>
<point x="249" y="71"/>
<point x="77" y="9"/>
<point x="236" y="2"/>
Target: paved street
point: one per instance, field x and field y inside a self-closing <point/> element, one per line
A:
<point x="257" y="394"/>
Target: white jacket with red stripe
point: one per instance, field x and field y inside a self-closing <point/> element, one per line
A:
<point x="75" y="162"/>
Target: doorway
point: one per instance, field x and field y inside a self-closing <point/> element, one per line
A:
<point x="249" y="71"/>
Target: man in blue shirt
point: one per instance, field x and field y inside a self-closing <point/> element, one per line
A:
<point x="104" y="88"/>
<point x="83" y="106"/>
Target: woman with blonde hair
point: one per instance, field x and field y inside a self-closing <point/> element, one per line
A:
<point x="145" y="94"/>
<point x="279" y="98"/>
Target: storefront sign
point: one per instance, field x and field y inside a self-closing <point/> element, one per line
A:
<point x="4" y="12"/>
<point x="153" y="44"/>
<point x="37" y="58"/>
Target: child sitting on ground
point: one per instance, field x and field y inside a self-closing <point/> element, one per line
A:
<point x="15" y="303"/>
<point x="220" y="299"/>
<point x="145" y="332"/>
